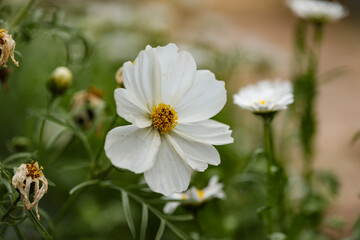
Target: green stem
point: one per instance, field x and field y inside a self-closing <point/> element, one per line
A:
<point x="13" y="205"/>
<point x="92" y="175"/>
<point x="94" y="165"/>
<point x="269" y="183"/>
<point x="42" y="128"/>
<point x="276" y="181"/>
<point x="22" y="13"/>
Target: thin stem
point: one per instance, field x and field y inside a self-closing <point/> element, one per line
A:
<point x="13" y="205"/>
<point x="42" y="127"/>
<point x="95" y="163"/>
<point x="22" y="13"/>
<point x="269" y="183"/>
<point x="69" y="202"/>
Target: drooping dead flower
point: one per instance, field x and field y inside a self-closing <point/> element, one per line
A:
<point x="25" y="175"/>
<point x="7" y="48"/>
<point x="87" y="106"/>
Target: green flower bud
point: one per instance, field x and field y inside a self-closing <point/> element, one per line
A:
<point x="20" y="144"/>
<point x="59" y="81"/>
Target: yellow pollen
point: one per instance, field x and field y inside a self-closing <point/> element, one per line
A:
<point x="34" y="171"/>
<point x="2" y="41"/>
<point x="183" y="196"/>
<point x="200" y="193"/>
<point x="262" y="102"/>
<point x="164" y="117"/>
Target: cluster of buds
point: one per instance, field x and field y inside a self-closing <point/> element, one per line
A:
<point x="87" y="106"/>
<point x="7" y="48"/>
<point x="25" y="176"/>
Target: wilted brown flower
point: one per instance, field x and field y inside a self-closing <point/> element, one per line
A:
<point x="25" y="175"/>
<point x="87" y="106"/>
<point x="7" y="48"/>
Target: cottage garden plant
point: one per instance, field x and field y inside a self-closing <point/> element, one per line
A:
<point x="136" y="157"/>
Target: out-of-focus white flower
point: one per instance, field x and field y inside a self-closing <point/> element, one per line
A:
<point x="265" y="96"/>
<point x="213" y="190"/>
<point x="318" y="10"/>
<point x="25" y="175"/>
<point x="7" y="48"/>
<point x="169" y="103"/>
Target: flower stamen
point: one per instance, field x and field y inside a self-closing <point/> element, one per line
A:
<point x="200" y="193"/>
<point x="164" y="117"/>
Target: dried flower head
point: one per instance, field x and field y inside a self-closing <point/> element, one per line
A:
<point x="87" y="106"/>
<point x="7" y="48"/>
<point x="25" y="175"/>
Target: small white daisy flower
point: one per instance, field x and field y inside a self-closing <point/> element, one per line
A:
<point x="213" y="190"/>
<point x="169" y="103"/>
<point x="265" y="96"/>
<point x="318" y="10"/>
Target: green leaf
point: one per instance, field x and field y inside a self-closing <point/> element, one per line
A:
<point x="40" y="228"/>
<point x="160" y="232"/>
<point x="22" y="155"/>
<point x="355" y="138"/>
<point x="144" y="221"/>
<point x="185" y="217"/>
<point x="51" y="183"/>
<point x="127" y="211"/>
<point x="84" y="184"/>
<point x="177" y="231"/>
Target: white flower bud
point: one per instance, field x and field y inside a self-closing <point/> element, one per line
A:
<point x="59" y="81"/>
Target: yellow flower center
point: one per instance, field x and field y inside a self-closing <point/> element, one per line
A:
<point x="262" y="102"/>
<point x="2" y="31"/>
<point x="164" y="117"/>
<point x="34" y="171"/>
<point x="200" y="193"/>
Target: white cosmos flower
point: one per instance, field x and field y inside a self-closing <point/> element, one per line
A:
<point x="213" y="190"/>
<point x="318" y="10"/>
<point x="265" y="96"/>
<point x="169" y="103"/>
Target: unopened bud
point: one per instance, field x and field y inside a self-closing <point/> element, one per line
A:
<point x="20" y="144"/>
<point x="59" y="81"/>
<point x="119" y="77"/>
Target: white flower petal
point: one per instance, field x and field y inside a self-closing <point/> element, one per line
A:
<point x="214" y="189"/>
<point x="178" y="69"/>
<point x="204" y="100"/>
<point x="170" y="173"/>
<point x="132" y="148"/>
<point x="143" y="78"/>
<point x="208" y="131"/>
<point x="129" y="110"/>
<point x="197" y="155"/>
<point x="170" y="207"/>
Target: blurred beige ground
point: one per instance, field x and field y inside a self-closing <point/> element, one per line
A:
<point x="267" y="26"/>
